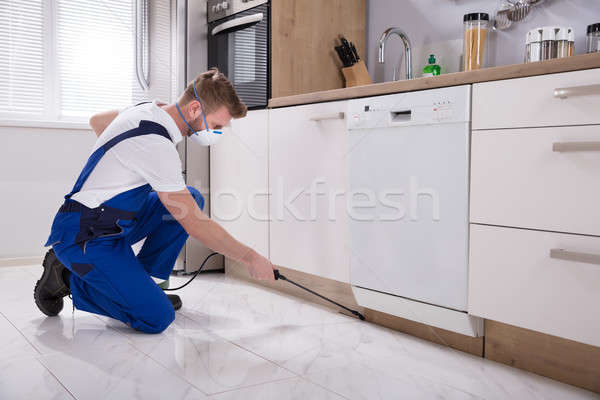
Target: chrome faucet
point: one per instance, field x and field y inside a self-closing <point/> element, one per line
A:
<point x="384" y="37"/>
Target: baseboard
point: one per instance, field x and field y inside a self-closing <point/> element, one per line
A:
<point x="342" y="293"/>
<point x="20" y="261"/>
<point x="564" y="360"/>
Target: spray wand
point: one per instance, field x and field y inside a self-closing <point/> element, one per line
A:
<point x="283" y="278"/>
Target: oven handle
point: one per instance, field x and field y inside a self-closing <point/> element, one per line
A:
<point x="239" y="23"/>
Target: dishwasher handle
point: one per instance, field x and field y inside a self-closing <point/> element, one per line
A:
<point x="325" y="117"/>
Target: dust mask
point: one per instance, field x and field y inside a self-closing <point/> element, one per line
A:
<point x="205" y="137"/>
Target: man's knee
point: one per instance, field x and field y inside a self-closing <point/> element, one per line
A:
<point x="165" y="319"/>
<point x="161" y="319"/>
<point x="197" y="196"/>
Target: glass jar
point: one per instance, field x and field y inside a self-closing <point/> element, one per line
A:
<point x="592" y="44"/>
<point x="562" y="42"/>
<point x="477" y="26"/>
<point x="548" y="43"/>
<point x="571" y="42"/>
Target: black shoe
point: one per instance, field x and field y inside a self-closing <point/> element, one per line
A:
<point x="52" y="286"/>
<point x="175" y="300"/>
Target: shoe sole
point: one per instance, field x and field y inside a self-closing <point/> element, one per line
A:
<point x="175" y="301"/>
<point x="47" y="264"/>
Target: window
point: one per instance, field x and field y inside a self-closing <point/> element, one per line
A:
<point x="63" y="60"/>
<point x="21" y="56"/>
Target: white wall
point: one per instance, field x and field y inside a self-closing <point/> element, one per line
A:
<point x="38" y="166"/>
<point x="437" y="26"/>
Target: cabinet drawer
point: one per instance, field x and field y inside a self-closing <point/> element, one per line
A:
<point x="530" y="178"/>
<point x="530" y="102"/>
<point x="514" y="279"/>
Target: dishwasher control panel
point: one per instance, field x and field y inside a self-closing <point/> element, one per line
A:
<point x="433" y="106"/>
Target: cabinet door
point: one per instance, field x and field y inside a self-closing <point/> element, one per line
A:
<point x="307" y="179"/>
<point x="542" y="178"/>
<point x="239" y="183"/>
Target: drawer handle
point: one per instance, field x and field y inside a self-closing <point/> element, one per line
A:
<point x="324" y="117"/>
<point x="588" y="90"/>
<point x="563" y="254"/>
<point x="575" y="146"/>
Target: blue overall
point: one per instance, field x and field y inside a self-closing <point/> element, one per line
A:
<point x="95" y="245"/>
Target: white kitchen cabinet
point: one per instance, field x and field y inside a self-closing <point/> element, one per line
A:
<point x="531" y="178"/>
<point x="515" y="279"/>
<point x="307" y="178"/>
<point x="569" y="98"/>
<point x="239" y="180"/>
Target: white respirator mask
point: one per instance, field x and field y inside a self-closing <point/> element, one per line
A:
<point x="205" y="137"/>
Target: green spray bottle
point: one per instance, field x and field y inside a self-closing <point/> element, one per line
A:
<point x="431" y="69"/>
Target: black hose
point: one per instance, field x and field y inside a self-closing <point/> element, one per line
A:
<point x="195" y="274"/>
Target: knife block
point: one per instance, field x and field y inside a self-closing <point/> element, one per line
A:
<point x="357" y="75"/>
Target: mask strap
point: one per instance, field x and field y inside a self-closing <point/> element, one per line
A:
<point x="199" y="101"/>
<point x="183" y="118"/>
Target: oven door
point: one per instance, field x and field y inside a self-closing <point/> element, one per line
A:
<point x="239" y="47"/>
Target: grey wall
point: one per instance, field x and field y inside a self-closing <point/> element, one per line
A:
<point x="436" y="26"/>
<point x="38" y="166"/>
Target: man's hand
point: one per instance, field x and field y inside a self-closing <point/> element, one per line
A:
<point x="260" y="267"/>
<point x="184" y="209"/>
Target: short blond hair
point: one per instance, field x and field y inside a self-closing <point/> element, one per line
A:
<point x="215" y="91"/>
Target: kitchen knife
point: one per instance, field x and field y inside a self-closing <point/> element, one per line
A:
<point x="343" y="56"/>
<point x="354" y="52"/>
<point x="348" y="50"/>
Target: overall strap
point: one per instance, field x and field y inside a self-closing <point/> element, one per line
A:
<point x="145" y="128"/>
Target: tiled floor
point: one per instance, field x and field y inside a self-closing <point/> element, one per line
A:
<point x="234" y="340"/>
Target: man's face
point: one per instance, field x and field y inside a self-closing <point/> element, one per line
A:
<point x="215" y="120"/>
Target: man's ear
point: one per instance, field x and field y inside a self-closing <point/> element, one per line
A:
<point x="194" y="110"/>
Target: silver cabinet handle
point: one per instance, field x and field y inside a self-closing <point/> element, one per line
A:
<point x="587" y="90"/>
<point x="245" y="21"/>
<point x="324" y="117"/>
<point x="140" y="10"/>
<point x="562" y="254"/>
<point x="575" y="146"/>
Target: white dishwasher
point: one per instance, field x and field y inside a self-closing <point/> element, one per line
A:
<point x="408" y="205"/>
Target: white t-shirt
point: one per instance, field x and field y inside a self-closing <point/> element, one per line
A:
<point x="136" y="161"/>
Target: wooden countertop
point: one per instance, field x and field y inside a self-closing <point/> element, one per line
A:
<point x="575" y="63"/>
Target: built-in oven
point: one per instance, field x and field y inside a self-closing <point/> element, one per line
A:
<point x="238" y="45"/>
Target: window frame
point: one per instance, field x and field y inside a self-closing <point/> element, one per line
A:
<point x="50" y="116"/>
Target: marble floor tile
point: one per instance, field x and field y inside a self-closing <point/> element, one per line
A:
<point x="27" y="379"/>
<point x="358" y="382"/>
<point x="397" y="354"/>
<point x="286" y="344"/>
<point x="230" y="306"/>
<point x="70" y="334"/>
<point x="148" y="343"/>
<point x="236" y="340"/>
<point x="12" y="343"/>
<point x="124" y="374"/>
<point x="288" y="389"/>
<point x="213" y="364"/>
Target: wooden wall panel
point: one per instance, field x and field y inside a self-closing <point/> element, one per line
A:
<point x="304" y="33"/>
<point x="567" y="361"/>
